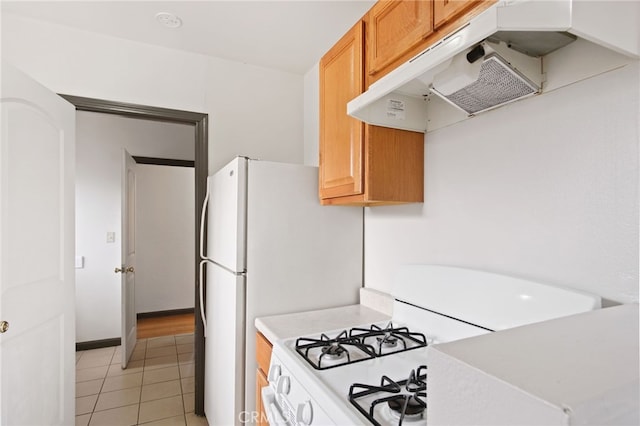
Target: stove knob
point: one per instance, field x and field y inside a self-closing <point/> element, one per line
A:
<point x="304" y="413"/>
<point x="274" y="372"/>
<point x="283" y="386"/>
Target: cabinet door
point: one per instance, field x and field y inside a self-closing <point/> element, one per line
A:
<point x="341" y="136"/>
<point x="444" y="10"/>
<point x="263" y="358"/>
<point x="395" y="28"/>
<point x="261" y="381"/>
<point x="394" y="165"/>
<point x="263" y="352"/>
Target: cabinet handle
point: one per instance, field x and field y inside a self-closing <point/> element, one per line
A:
<point x="4" y="326"/>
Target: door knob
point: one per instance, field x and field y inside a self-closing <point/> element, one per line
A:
<point x="4" y="326"/>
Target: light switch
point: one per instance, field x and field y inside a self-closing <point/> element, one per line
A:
<point x="79" y="262"/>
<point x="111" y="237"/>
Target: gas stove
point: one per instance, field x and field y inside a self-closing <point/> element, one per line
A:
<point x="342" y="390"/>
<point x="378" y="373"/>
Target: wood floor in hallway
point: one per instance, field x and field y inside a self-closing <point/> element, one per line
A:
<point x="166" y="325"/>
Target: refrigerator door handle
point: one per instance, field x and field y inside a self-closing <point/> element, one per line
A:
<point x="203" y="217"/>
<point x="203" y="258"/>
<point x="201" y="294"/>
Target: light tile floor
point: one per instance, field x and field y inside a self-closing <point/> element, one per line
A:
<point x="155" y="389"/>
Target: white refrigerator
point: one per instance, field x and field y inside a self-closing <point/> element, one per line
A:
<point x="271" y="249"/>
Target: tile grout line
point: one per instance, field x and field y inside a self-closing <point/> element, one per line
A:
<point x="139" y="402"/>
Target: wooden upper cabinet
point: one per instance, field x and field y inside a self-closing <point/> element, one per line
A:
<point x="369" y="165"/>
<point x="396" y="30"/>
<point x="341" y="136"/>
<point x="449" y="15"/>
<point x="445" y="10"/>
<point x="361" y="164"/>
<point x="394" y="165"/>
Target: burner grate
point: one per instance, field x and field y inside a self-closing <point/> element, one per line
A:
<point x="327" y="352"/>
<point x="390" y="339"/>
<point x="359" y="344"/>
<point x="402" y="400"/>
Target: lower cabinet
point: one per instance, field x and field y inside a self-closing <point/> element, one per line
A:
<point x="263" y="356"/>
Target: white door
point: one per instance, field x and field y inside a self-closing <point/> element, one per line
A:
<point x="129" y="329"/>
<point x="37" y="234"/>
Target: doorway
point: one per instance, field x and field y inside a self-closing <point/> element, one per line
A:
<point x="200" y="122"/>
<point x="164" y="241"/>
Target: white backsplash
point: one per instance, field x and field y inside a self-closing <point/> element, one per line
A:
<point x="377" y="300"/>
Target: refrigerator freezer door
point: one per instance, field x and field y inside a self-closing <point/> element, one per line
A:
<point x="224" y="347"/>
<point x="227" y="215"/>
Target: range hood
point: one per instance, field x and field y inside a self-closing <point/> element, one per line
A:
<point x="506" y="53"/>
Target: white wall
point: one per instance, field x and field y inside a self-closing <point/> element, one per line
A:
<point x="311" y="116"/>
<point x="165" y="249"/>
<point x="545" y="189"/>
<point x="99" y="142"/>
<point x="253" y="111"/>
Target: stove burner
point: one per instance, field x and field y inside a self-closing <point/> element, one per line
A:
<point x="387" y="341"/>
<point x="329" y="352"/>
<point x="390" y="339"/>
<point x="409" y="405"/>
<point x="334" y="351"/>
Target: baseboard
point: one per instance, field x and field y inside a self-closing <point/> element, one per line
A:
<point x="97" y="344"/>
<point x="165" y="313"/>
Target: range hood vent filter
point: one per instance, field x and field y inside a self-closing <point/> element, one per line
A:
<point x="496" y="85"/>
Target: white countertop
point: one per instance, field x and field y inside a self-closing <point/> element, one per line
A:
<point x="285" y="326"/>
<point x="580" y="367"/>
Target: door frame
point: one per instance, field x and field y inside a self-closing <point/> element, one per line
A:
<point x="201" y="123"/>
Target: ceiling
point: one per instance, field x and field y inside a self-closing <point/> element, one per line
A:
<point x="288" y="35"/>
